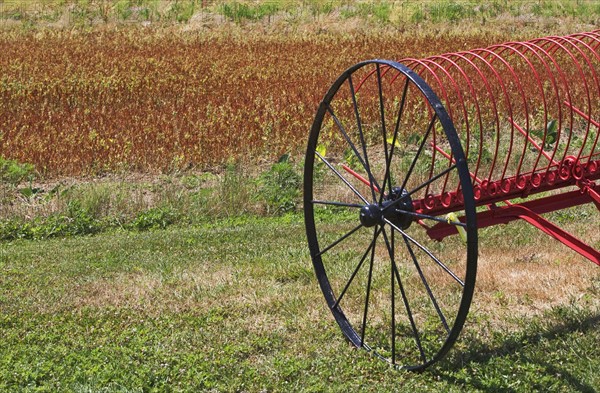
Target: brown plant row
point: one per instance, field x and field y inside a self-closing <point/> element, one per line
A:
<point x="83" y="103"/>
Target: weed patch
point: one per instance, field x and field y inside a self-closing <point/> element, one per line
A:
<point x="279" y="187"/>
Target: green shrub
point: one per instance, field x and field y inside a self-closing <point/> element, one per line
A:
<point x="320" y="7"/>
<point x="450" y="12"/>
<point x="280" y="187"/>
<point x="418" y="16"/>
<point x="182" y="12"/>
<point x="238" y="12"/>
<point x="74" y="221"/>
<point x="81" y="221"/>
<point x="123" y="9"/>
<point x="14" y="172"/>
<point x="154" y="218"/>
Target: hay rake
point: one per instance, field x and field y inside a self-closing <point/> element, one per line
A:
<point x="405" y="154"/>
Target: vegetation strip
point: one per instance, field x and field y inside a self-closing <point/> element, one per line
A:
<point x="208" y="307"/>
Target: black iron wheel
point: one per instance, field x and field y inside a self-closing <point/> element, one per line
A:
<point x="382" y="154"/>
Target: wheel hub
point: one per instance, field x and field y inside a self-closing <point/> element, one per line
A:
<point x="374" y="214"/>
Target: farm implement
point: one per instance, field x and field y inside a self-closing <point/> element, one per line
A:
<point x="407" y="154"/>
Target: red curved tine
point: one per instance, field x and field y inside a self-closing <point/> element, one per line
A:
<point x="589" y="66"/>
<point x="535" y="49"/>
<point x="526" y="49"/>
<point x="534" y="107"/>
<point x="462" y="109"/>
<point x="471" y="93"/>
<point x="462" y="56"/>
<point x="512" y="106"/>
<point x="558" y="47"/>
<point x="579" y="38"/>
<point x="510" y="47"/>
<point x="531" y="105"/>
<point x="503" y="100"/>
<point x="440" y="88"/>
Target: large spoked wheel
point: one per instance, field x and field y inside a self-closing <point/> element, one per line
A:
<point x="384" y="165"/>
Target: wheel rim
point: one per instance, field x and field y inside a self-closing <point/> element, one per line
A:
<point x="371" y="174"/>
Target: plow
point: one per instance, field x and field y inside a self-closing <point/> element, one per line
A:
<point x="412" y="157"/>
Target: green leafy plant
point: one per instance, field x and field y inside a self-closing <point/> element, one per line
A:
<point x="550" y="133"/>
<point x="351" y="159"/>
<point x="74" y="221"/>
<point x="238" y="11"/>
<point x="123" y="9"/>
<point x="280" y="186"/>
<point x="79" y="221"/>
<point x="30" y="191"/>
<point x="321" y="149"/>
<point x="14" y="172"/>
<point x="155" y="218"/>
<point x="182" y="12"/>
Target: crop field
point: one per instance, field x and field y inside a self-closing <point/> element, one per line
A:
<point x="107" y="101"/>
<point x="151" y="228"/>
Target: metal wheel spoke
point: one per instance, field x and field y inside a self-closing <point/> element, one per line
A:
<point x="335" y="243"/>
<point x="383" y="130"/>
<point x="366" y="309"/>
<point x="387" y="176"/>
<point x="411" y="319"/>
<point x="342" y="178"/>
<point x="433" y="218"/>
<point x="347" y="138"/>
<point x="419" y="150"/>
<point x="426" y="284"/>
<point x="362" y="260"/>
<point x="393" y="297"/>
<point x="362" y="139"/>
<point x="334" y="203"/>
<point x="426" y="251"/>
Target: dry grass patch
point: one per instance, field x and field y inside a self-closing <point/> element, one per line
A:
<point x="259" y="305"/>
<point x="530" y="280"/>
<point x="154" y="292"/>
<point x="128" y="290"/>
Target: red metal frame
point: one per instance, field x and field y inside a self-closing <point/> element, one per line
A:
<point x="531" y="211"/>
<point x="538" y="103"/>
<point x="566" y="174"/>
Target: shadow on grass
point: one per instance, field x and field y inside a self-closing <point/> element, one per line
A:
<point x="482" y="365"/>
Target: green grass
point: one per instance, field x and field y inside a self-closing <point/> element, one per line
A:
<point x="234" y="306"/>
<point x="373" y="13"/>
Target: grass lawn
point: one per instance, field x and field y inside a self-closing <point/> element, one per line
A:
<point x="235" y="306"/>
<point x="141" y="283"/>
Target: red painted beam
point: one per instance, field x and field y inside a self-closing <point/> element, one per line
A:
<point x="530" y="211"/>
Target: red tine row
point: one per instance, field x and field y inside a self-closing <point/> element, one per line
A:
<point x="527" y="114"/>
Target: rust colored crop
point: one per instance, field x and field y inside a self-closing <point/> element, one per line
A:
<point x="83" y="103"/>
